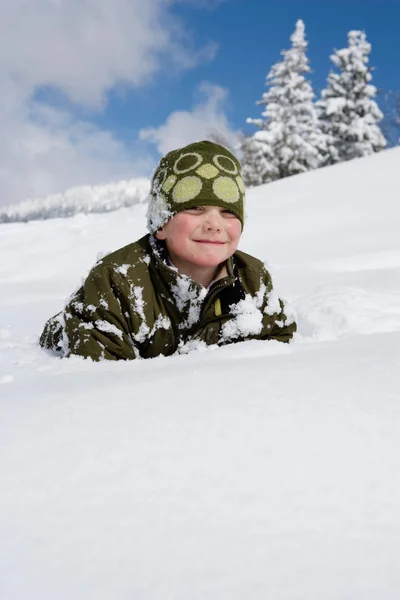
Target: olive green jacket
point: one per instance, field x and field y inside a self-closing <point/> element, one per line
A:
<point x="133" y="304"/>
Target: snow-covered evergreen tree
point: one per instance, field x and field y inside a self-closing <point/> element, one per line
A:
<point x="253" y="158"/>
<point x="390" y="125"/>
<point x="289" y="140"/>
<point x="348" y="113"/>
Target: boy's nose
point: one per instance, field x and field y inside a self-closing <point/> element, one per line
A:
<point x="213" y="221"/>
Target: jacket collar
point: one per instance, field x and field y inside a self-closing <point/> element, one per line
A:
<point x="189" y="296"/>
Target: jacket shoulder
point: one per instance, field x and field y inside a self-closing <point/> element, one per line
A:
<point x="129" y="264"/>
<point x="130" y="255"/>
<point x="246" y="261"/>
<point x="251" y="267"/>
<point x="252" y="272"/>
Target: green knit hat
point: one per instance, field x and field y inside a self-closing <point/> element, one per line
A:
<point x="200" y="174"/>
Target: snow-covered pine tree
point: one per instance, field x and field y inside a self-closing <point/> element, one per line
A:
<point x="289" y="140"/>
<point x="390" y="126"/>
<point x="253" y="159"/>
<point x="348" y="114"/>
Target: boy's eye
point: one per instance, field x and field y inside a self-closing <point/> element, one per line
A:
<point x="194" y="210"/>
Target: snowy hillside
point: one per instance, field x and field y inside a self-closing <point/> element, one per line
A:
<point x="257" y="470"/>
<point x="83" y="199"/>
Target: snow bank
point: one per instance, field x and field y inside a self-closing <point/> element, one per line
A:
<point x="256" y="470"/>
<point x="84" y="199"/>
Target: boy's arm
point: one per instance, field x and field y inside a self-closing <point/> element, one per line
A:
<point x="259" y="315"/>
<point x="278" y="317"/>
<point x="92" y="324"/>
<point x="281" y="326"/>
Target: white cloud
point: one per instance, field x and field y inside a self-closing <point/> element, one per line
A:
<point x="82" y="49"/>
<point x="206" y="120"/>
<point x="53" y="151"/>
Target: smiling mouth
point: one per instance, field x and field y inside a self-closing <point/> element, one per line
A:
<point x="215" y="242"/>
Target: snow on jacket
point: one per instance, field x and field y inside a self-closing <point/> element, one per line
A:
<point x="134" y="304"/>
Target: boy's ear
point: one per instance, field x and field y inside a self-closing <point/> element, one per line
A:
<point x="160" y="234"/>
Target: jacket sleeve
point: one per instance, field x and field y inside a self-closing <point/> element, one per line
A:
<point x="281" y="326"/>
<point x="278" y="321"/>
<point x="260" y="315"/>
<point x="93" y="323"/>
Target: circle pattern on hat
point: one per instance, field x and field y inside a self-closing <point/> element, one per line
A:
<point x="200" y="174"/>
<point x="187" y="162"/>
<point x="208" y="171"/>
<point x="186" y="189"/>
<point x="169" y="183"/>
<point x="240" y="183"/>
<point x="225" y="164"/>
<point x="226" y="189"/>
<point x="161" y="176"/>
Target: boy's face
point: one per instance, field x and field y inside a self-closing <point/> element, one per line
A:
<point x="204" y="236"/>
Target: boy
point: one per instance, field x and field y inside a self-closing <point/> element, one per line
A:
<point x="183" y="284"/>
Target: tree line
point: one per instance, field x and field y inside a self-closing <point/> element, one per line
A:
<point x="296" y="134"/>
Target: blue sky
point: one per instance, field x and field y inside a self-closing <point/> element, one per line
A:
<point x="94" y="91"/>
<point x="250" y="35"/>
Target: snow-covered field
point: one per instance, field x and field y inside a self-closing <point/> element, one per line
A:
<point x="257" y="470"/>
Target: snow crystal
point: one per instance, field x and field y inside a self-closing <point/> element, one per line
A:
<point x="78" y="306"/>
<point x="99" y="257"/>
<point x="87" y="326"/>
<point x="108" y="327"/>
<point x="102" y="353"/>
<point x="290" y="313"/>
<point x="259" y="297"/>
<point x="247" y="320"/>
<point x="273" y="306"/>
<point x="122" y="269"/>
<point x="189" y="297"/>
<point x="160" y="323"/>
<point x="103" y="303"/>
<point x="136" y="296"/>
<point x="191" y="345"/>
<point x="60" y="325"/>
<point x="158" y="212"/>
<point x="135" y="351"/>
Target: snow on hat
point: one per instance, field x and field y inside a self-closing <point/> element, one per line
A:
<point x="200" y="174"/>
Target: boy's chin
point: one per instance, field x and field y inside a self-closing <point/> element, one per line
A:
<point x="208" y="262"/>
<point x="210" y="259"/>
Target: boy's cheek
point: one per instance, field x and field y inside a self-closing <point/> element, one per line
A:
<point x="236" y="229"/>
<point x="187" y="222"/>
